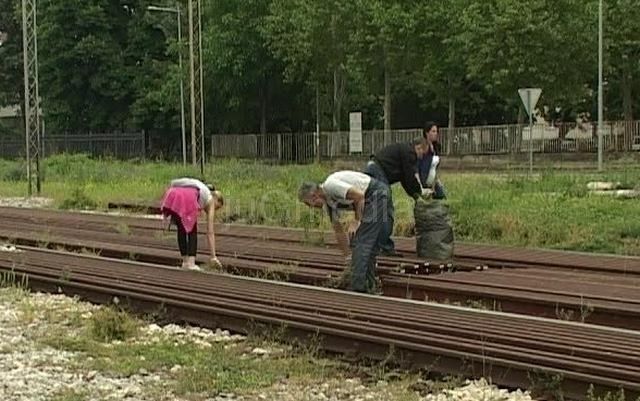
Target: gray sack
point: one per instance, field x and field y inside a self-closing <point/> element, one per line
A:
<point x="434" y="231"/>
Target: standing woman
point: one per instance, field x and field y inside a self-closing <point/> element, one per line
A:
<point x="182" y="202"/>
<point x="428" y="164"/>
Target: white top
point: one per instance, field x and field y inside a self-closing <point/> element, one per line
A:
<point x="431" y="178"/>
<point x="338" y="184"/>
<point x="204" y="194"/>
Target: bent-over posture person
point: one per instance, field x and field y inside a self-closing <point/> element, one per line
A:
<point x="396" y="163"/>
<point x="367" y="197"/>
<point x="182" y="202"/>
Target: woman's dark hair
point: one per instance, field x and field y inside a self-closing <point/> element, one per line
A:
<point x="427" y="127"/>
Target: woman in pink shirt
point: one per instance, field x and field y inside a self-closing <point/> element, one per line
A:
<point x="182" y="202"/>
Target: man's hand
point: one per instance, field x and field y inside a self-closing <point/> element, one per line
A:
<point x="427" y="192"/>
<point x="215" y="263"/>
<point x="353" y="227"/>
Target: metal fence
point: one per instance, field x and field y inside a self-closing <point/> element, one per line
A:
<point x="120" y="146"/>
<point x="302" y="147"/>
<point x="618" y="136"/>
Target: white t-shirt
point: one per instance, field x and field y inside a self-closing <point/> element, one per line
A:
<point x="338" y="184"/>
<point x="204" y="194"/>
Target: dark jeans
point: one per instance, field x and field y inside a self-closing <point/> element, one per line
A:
<point x="187" y="242"/>
<point x="365" y="244"/>
<point x="386" y="243"/>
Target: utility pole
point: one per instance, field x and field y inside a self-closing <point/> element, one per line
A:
<point x="198" y="145"/>
<point x="600" y="87"/>
<point x="31" y="96"/>
<point x="182" y="119"/>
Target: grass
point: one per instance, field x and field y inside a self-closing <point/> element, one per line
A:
<point x="69" y="395"/>
<point x="554" y="210"/>
<point x="113" y="343"/>
<point x="111" y="324"/>
<point x="110" y="343"/>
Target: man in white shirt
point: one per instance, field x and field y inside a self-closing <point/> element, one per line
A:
<point x="367" y="197"/>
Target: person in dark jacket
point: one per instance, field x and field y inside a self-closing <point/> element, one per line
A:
<point x="428" y="164"/>
<point x="396" y="163"/>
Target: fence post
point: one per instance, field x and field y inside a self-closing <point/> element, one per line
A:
<point x="143" y="136"/>
<point x="279" y="142"/>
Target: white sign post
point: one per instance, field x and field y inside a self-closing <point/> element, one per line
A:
<point x="355" y="132"/>
<point x="530" y="97"/>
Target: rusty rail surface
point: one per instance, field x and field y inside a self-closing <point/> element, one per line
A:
<point x="514" y="350"/>
<point x="593" y="296"/>
<point x="491" y="255"/>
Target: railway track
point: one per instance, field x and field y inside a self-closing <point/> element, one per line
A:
<point x="608" y="295"/>
<point x="489" y="255"/>
<point x="514" y="350"/>
<point x="465" y="253"/>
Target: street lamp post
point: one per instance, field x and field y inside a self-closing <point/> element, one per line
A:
<point x="600" y="85"/>
<point x="182" y="121"/>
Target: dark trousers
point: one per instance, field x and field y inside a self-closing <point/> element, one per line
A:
<point x="366" y="242"/>
<point x="187" y="242"/>
<point x="386" y="243"/>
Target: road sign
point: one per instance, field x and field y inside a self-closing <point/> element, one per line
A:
<point x="355" y="132"/>
<point x="530" y="98"/>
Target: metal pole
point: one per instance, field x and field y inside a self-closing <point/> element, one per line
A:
<point x="182" y="113"/>
<point x="530" y="134"/>
<point x="600" y="96"/>
<point x="203" y="154"/>
<point x="25" y="46"/>
<point x="194" y="149"/>
<point x="37" y="96"/>
<point x="44" y="144"/>
<point x="182" y="122"/>
<point x="317" y="123"/>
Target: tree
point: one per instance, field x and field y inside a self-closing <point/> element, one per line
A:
<point x="442" y="70"/>
<point x="242" y="74"/>
<point x="544" y="43"/>
<point x="97" y="58"/>
<point x="622" y="40"/>
<point x="11" y="66"/>
<point x="380" y="39"/>
<point x="311" y="38"/>
<point x="154" y="87"/>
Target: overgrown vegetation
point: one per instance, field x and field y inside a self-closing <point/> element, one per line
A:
<point x="109" y="343"/>
<point x="78" y="200"/>
<point x="553" y="210"/>
<point x="69" y="395"/>
<point x="9" y="278"/>
<point x="278" y="53"/>
<point x="609" y="396"/>
<point x="112" y="324"/>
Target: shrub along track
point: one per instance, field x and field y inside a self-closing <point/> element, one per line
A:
<point x="514" y="350"/>
<point x="588" y="288"/>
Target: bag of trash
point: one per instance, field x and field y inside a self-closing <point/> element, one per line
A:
<point x="434" y="231"/>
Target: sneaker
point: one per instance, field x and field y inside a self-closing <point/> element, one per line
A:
<point x="193" y="267"/>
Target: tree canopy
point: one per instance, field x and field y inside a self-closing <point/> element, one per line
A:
<point x="113" y="65"/>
